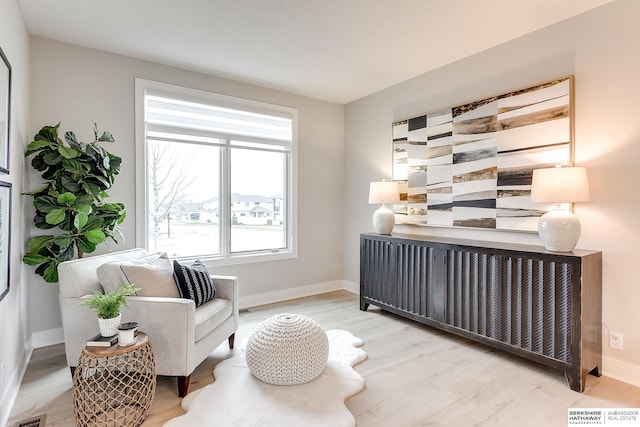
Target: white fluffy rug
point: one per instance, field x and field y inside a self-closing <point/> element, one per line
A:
<point x="237" y="398"/>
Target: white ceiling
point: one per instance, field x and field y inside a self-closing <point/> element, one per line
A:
<point x="336" y="50"/>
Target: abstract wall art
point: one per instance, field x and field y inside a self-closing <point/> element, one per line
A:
<point x="471" y="165"/>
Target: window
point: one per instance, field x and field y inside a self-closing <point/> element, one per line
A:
<point x="219" y="175"/>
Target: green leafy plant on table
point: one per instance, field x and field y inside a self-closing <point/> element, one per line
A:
<point x="108" y="304"/>
<point x="76" y="176"/>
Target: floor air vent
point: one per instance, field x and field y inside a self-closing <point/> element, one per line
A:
<point x="37" y="421"/>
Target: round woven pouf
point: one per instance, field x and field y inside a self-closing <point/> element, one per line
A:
<point x="287" y="349"/>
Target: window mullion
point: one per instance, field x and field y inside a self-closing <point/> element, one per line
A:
<point x="225" y="191"/>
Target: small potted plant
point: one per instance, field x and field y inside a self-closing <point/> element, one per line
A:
<point x="107" y="306"/>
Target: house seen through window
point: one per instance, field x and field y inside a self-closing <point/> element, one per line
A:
<point x="218" y="179"/>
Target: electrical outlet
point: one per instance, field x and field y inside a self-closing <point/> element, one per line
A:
<point x="615" y="340"/>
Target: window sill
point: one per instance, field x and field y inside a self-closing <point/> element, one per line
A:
<point x="214" y="261"/>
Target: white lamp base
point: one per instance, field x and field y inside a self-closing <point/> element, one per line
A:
<point x="559" y="230"/>
<point x="383" y="220"/>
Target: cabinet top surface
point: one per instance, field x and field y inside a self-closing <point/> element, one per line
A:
<point x="479" y="244"/>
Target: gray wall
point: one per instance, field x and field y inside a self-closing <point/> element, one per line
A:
<point x="600" y="49"/>
<point x="77" y="86"/>
<point x="14" y="320"/>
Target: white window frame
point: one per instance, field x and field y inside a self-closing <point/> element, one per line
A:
<point x="142" y="87"/>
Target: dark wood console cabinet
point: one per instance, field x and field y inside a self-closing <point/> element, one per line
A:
<point x="545" y="306"/>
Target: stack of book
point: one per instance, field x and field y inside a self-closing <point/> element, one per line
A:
<point x="100" y="341"/>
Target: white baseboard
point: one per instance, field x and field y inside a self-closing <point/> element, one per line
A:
<point x="292" y="293"/>
<point x="352" y="287"/>
<point x="10" y="393"/>
<point x="621" y="371"/>
<point x="48" y="337"/>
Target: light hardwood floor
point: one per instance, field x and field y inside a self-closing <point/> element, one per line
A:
<point x="415" y="376"/>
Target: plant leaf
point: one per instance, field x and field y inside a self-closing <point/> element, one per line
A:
<point x="51" y="158"/>
<point x="91" y="188"/>
<point x="39" y="145"/>
<point x="106" y="137"/>
<point x="40" y="221"/>
<point x="38" y="242"/>
<point x="84" y="209"/>
<point x="115" y="162"/>
<point x="104" y="181"/>
<point x="74" y="166"/>
<point x="67" y="254"/>
<point x="66" y="199"/>
<point x="69" y="183"/>
<point x="50" y="274"/>
<point x="84" y="198"/>
<point x="67" y="223"/>
<point x="71" y="139"/>
<point x="94" y="223"/>
<point x="48" y="133"/>
<point x="33" y="259"/>
<point x="80" y="220"/>
<point x="95" y="236"/>
<point x="64" y="240"/>
<point x="85" y="246"/>
<point x="38" y="162"/>
<point x="56" y="216"/>
<point x="68" y="152"/>
<point x="46" y="203"/>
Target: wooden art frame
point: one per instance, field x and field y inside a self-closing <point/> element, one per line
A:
<point x="5" y="111"/>
<point x="471" y="165"/>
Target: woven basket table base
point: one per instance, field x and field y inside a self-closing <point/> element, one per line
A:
<point x="114" y="386"/>
<point x="287" y="349"/>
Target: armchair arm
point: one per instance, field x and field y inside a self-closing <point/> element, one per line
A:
<point x="169" y="322"/>
<point x="227" y="287"/>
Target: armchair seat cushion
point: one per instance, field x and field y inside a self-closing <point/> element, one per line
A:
<point x="211" y="314"/>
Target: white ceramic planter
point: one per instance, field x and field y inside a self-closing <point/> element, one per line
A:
<point x="109" y="327"/>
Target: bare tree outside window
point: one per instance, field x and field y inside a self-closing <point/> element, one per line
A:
<point x="169" y="176"/>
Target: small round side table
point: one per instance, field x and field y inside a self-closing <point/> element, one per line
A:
<point x="114" y="386"/>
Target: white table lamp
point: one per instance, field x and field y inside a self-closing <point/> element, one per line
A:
<point x="384" y="192"/>
<point x="559" y="229"/>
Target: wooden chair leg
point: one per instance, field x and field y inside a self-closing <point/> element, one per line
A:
<point x="183" y="385"/>
<point x="232" y="338"/>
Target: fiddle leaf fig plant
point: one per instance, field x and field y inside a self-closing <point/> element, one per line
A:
<point x="72" y="200"/>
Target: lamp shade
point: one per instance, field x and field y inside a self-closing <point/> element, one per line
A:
<point x="559" y="229"/>
<point x="560" y="185"/>
<point x="384" y="192"/>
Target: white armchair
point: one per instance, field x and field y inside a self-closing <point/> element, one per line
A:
<point x="181" y="334"/>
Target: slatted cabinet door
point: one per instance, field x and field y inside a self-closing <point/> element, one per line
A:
<point x="523" y="302"/>
<point x="398" y="276"/>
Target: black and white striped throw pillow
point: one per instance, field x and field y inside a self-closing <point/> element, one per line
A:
<point x="194" y="282"/>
